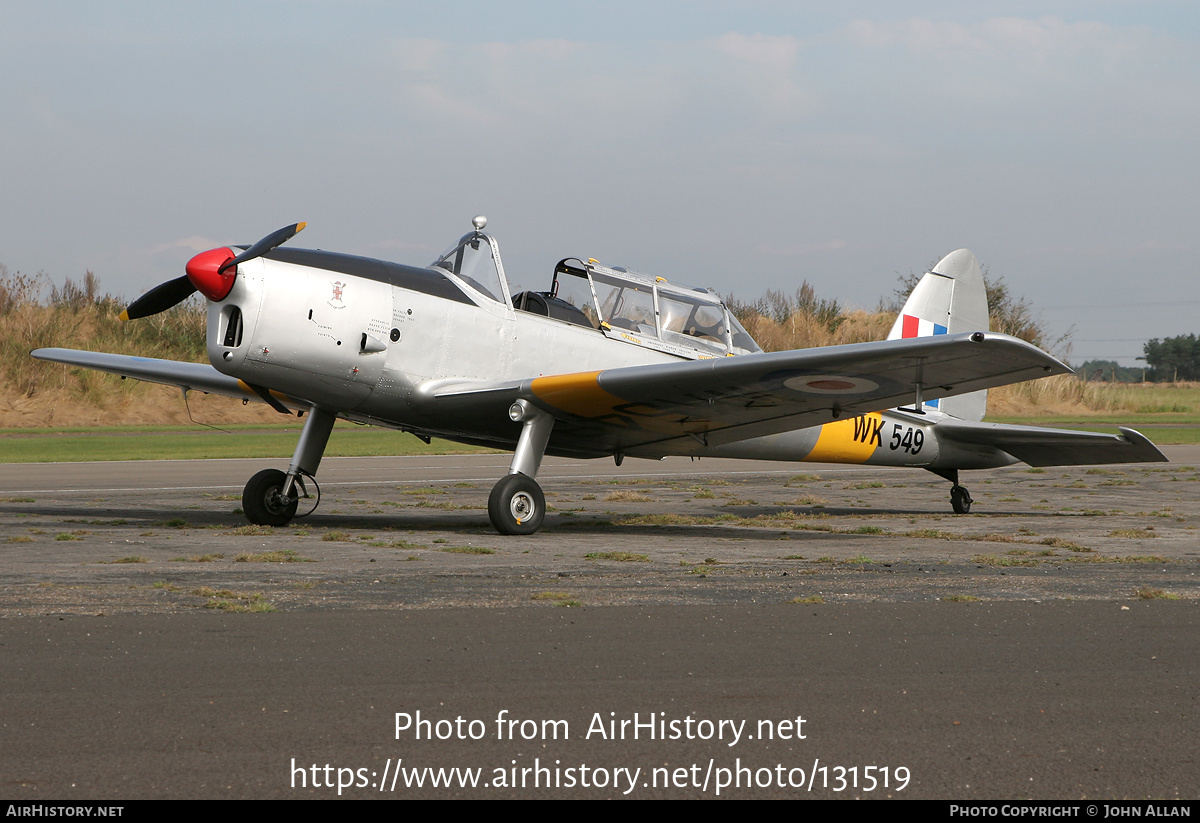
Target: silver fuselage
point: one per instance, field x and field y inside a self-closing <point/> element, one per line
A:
<point x="377" y="348"/>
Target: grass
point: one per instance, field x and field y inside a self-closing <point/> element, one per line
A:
<point x="1060" y="543"/>
<point x="627" y="496"/>
<point x="278" y="556"/>
<point x="1065" y="399"/>
<point x="1154" y="594"/>
<point x="556" y="598"/>
<point x="79" y="444"/>
<point x="183" y="443"/>
<point x="467" y="550"/>
<point x="815" y="599"/>
<point x="198" y="558"/>
<point x="251" y="530"/>
<point x="227" y="600"/>
<point x="620" y="557"/>
<point x="994" y="560"/>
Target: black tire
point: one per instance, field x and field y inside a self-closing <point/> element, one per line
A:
<point x="960" y="500"/>
<point x="263" y="503"/>
<point x="517" y="505"/>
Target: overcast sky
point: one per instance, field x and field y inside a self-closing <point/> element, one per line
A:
<point x="740" y="146"/>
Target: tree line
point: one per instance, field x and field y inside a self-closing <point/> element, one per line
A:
<point x="1168" y="360"/>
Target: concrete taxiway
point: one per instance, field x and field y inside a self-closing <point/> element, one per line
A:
<point x="156" y="646"/>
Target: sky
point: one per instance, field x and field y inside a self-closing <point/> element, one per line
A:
<point x="741" y="146"/>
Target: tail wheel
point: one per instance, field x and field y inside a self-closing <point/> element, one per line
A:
<point x="517" y="505"/>
<point x="960" y="499"/>
<point x="263" y="500"/>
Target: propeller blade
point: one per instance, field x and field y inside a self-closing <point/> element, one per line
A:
<point x="275" y="238"/>
<point x="160" y="298"/>
<point x="204" y="276"/>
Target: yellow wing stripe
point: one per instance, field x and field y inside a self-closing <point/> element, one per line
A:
<point x="578" y="394"/>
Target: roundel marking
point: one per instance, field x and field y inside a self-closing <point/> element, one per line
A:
<point x="830" y="384"/>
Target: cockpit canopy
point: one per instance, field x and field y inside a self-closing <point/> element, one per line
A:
<point x="636" y="308"/>
<point x="651" y="311"/>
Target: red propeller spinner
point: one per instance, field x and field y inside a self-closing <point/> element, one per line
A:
<point x="206" y="274"/>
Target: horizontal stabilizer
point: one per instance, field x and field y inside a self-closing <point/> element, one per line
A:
<point x="1054" y="447"/>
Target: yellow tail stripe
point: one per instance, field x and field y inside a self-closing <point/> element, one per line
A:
<point x="846" y="441"/>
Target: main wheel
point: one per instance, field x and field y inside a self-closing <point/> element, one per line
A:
<point x="960" y="499"/>
<point x="517" y="505"/>
<point x="263" y="500"/>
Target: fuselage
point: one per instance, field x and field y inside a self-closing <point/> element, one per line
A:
<point x="374" y="341"/>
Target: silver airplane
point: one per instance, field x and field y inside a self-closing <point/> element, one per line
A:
<point x="606" y="363"/>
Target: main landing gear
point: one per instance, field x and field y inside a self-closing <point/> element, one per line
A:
<point x="272" y="497"/>
<point x="516" y="504"/>
<point x="264" y="502"/>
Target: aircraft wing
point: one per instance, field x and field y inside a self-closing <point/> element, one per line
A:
<point x="652" y="410"/>
<point x="1054" y="447"/>
<point x="188" y="376"/>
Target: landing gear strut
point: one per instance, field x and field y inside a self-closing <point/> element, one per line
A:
<point x="516" y="504"/>
<point x="272" y="497"/>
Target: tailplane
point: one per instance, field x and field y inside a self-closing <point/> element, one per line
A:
<point x="951" y="299"/>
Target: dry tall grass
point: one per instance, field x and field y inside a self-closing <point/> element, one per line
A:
<point x="35" y="393"/>
<point x="804" y="331"/>
<point x="1066" y="394"/>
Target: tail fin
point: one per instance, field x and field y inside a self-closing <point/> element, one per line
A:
<point x="948" y="300"/>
